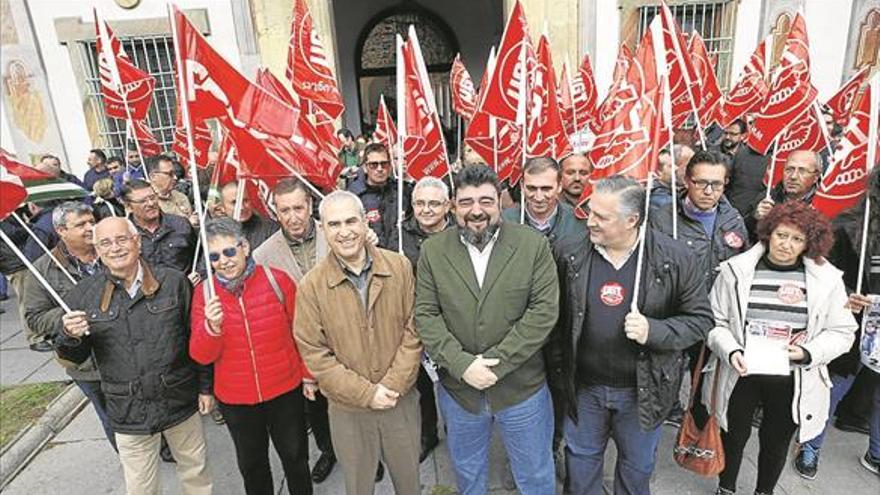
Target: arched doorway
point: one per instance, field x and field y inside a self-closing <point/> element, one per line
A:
<point x="375" y="62"/>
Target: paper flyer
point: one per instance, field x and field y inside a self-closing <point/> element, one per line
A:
<point x="767" y="348"/>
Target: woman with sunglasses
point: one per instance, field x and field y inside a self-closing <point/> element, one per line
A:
<point x="784" y="289"/>
<point x="260" y="381"/>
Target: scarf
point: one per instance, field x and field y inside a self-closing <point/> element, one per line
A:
<point x="236" y="285"/>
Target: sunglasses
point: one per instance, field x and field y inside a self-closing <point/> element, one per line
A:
<point x="228" y="252"/>
<point x="377" y="165"/>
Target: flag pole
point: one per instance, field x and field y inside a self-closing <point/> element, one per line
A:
<point x="873" y="124"/>
<point x="239" y="196"/>
<point x="401" y="132"/>
<point x="36" y="273"/>
<point x="184" y="109"/>
<point x="821" y="121"/>
<point x="679" y="56"/>
<point x="493" y="129"/>
<point x="772" y="167"/>
<point x="43" y="246"/>
<point x="522" y="113"/>
<point x="667" y="114"/>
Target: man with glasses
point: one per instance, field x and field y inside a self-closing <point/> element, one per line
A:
<point x="747" y="168"/>
<point x="133" y="318"/>
<point x="163" y="178"/>
<point x="487" y="297"/>
<point x="167" y="240"/>
<point x="542" y="188"/>
<point x="377" y="190"/>
<point x="800" y="178"/>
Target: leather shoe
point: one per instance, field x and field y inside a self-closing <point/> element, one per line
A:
<point x="41" y="346"/>
<point x="380" y="473"/>
<point x="428" y="445"/>
<point x="323" y="466"/>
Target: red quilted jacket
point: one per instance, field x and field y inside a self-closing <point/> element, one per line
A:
<point x="255" y="358"/>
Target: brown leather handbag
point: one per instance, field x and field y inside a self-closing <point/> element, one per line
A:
<point x="700" y="450"/>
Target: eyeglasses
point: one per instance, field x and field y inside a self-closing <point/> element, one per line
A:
<point x="122" y="241"/>
<point x="376" y="165"/>
<point x="434" y="205"/>
<point x="228" y="252"/>
<point x="162" y="172"/>
<point x="147" y="199"/>
<point x="800" y="172"/>
<point x="707" y="185"/>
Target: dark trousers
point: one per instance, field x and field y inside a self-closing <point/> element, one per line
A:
<point x="427" y="404"/>
<point x="774" y="394"/>
<point x="92" y="391"/>
<point x="856" y="404"/>
<point x="316" y="411"/>
<point x="251" y="426"/>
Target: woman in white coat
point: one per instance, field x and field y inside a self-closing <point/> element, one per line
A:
<point x="784" y="285"/>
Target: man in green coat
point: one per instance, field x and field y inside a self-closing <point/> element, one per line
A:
<point x="486" y="301"/>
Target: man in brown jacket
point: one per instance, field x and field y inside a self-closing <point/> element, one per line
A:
<point x="354" y="329"/>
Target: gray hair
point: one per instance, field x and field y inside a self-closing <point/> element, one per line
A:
<point x="59" y="215"/>
<point x="631" y="193"/>
<point x="430" y="181"/>
<point x="338" y="197"/>
<point x="223" y="227"/>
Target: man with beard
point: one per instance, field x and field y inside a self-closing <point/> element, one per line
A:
<point x="487" y="297"/>
<point x="575" y="173"/>
<point x="76" y="252"/>
<point x="166" y="240"/>
<point x="377" y="191"/>
<point x="800" y="178"/>
<point x="746" y="168"/>
<point x="256" y="228"/>
<point x="541" y="187"/>
<point x="295" y="249"/>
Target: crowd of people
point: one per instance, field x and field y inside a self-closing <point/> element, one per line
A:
<point x="497" y="307"/>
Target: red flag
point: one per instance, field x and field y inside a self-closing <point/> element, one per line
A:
<point x="121" y="81"/>
<point x="386" y="131"/>
<point x="584" y="94"/>
<point x="147" y="142"/>
<point x="503" y="93"/>
<point x="12" y="191"/>
<point x="790" y="91"/>
<point x="710" y="94"/>
<point x="229" y="169"/>
<point x="461" y="87"/>
<point x="747" y="94"/>
<point x="213" y="88"/>
<point x="608" y="106"/>
<point x="202" y="140"/>
<point x="566" y="105"/>
<point x="487" y="75"/>
<point x="546" y="133"/>
<point x="684" y="84"/>
<point x="629" y="144"/>
<point x="804" y="133"/>
<point x="846" y="179"/>
<point x="308" y="69"/>
<point x="841" y="103"/>
<point x="423" y="146"/>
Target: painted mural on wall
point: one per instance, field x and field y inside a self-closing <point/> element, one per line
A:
<point x="28" y="114"/>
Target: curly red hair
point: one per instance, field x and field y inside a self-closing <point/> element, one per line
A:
<point x="815" y="226"/>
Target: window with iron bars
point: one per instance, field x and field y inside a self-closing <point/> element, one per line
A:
<point x="153" y="54"/>
<point x="714" y="22"/>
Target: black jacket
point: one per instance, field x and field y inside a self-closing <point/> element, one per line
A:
<point x="565" y="224"/>
<point x="380" y="203"/>
<point x="141" y="347"/>
<point x="413" y="237"/>
<point x="672" y="297"/>
<point x="172" y="244"/>
<point x="728" y="239"/>
<point x="746" y="184"/>
<point x="9" y="262"/>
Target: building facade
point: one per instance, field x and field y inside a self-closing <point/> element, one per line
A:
<point x="51" y="95"/>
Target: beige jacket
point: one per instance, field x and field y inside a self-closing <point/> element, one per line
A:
<point x="350" y="349"/>
<point x="275" y="252"/>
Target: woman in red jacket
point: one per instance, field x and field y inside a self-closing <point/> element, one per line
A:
<point x="246" y="332"/>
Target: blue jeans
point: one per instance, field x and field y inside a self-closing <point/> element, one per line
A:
<point x="526" y="430"/>
<point x="603" y="413"/>
<point x="92" y="391"/>
<point x="840" y="386"/>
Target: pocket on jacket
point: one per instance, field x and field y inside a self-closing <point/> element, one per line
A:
<point x="159" y="306"/>
<point x="124" y="409"/>
<point x="180" y="385"/>
<point x="515" y="303"/>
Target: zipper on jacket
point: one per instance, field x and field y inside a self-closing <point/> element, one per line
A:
<point x="247" y="331"/>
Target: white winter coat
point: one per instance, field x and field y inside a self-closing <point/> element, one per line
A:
<point x="830" y="332"/>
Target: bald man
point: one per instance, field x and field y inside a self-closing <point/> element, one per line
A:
<point x="800" y="178"/>
<point x="134" y="320"/>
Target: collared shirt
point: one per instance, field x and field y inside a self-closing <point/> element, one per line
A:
<point x="359" y="280"/>
<point x="82" y="268"/>
<point x="304" y="249"/>
<point x="544" y="227"/>
<point x="617" y="264"/>
<point x="137" y="283"/>
<point x="480" y="259"/>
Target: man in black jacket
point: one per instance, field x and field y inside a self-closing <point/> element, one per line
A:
<point x="377" y="190"/>
<point x="747" y="168"/>
<point x="167" y="240"/>
<point x="616" y="369"/>
<point x="134" y="319"/>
